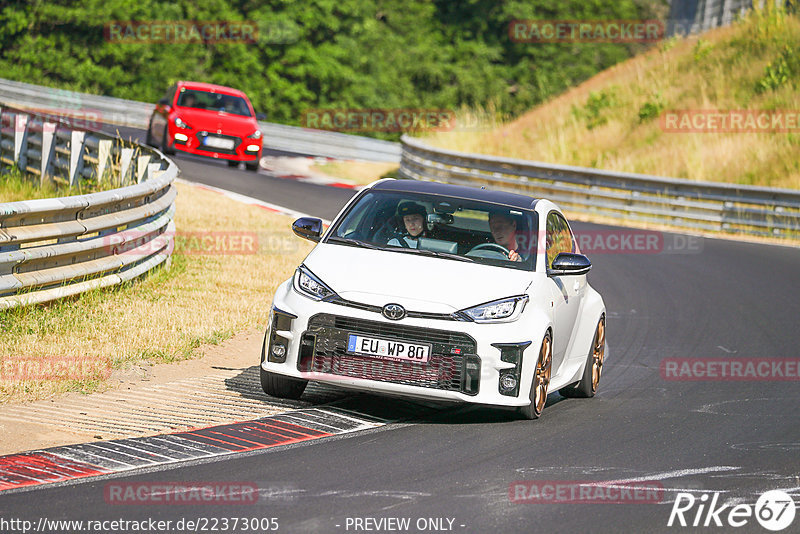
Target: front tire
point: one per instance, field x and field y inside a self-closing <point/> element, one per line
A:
<point x="280" y="386"/>
<point x="251" y="165"/>
<point x="232" y="163"/>
<point x="541" y="380"/>
<point x="149" y="138"/>
<point x="165" y="143"/>
<point x="587" y="386"/>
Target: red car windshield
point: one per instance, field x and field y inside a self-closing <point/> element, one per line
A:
<point x="191" y="98"/>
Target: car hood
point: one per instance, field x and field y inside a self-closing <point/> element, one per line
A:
<point x="419" y="283"/>
<point x="211" y="121"/>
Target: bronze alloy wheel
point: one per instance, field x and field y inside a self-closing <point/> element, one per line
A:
<point x="541" y="377"/>
<point x="598" y="352"/>
<point x="541" y="380"/>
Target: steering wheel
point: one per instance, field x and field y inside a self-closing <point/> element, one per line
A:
<point x="494" y="247"/>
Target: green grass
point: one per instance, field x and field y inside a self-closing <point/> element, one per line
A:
<point x="16" y="186"/>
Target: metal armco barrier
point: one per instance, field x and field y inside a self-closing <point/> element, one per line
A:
<point x="57" y="247"/>
<point x="87" y="110"/>
<point x="759" y="211"/>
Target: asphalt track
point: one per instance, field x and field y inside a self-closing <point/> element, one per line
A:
<point x="712" y="299"/>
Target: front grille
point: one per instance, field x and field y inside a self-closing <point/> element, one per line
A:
<point x="325" y="351"/>
<point x="415" y="314"/>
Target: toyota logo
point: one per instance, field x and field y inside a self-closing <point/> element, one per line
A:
<point x="394" y="312"/>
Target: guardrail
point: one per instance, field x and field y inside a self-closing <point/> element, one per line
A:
<point x="107" y="110"/>
<point x="625" y="197"/>
<point x="57" y="247"/>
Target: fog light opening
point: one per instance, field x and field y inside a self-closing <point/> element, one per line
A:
<point x="508" y="382"/>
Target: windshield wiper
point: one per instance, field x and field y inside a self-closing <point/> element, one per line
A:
<point x="353" y="242"/>
<point x="436" y="254"/>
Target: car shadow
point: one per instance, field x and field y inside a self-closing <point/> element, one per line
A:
<point x="386" y="408"/>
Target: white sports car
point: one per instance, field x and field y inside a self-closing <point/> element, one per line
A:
<point x="439" y="292"/>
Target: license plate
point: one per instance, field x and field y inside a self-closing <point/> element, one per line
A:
<point x="218" y="142"/>
<point x="388" y="350"/>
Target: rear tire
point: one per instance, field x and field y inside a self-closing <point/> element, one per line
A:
<point x="280" y="386"/>
<point x="590" y="380"/>
<point x="541" y="380"/>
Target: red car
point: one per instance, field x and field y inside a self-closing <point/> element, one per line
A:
<point x="207" y="120"/>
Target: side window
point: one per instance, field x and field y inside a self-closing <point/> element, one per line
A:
<point x="170" y="94"/>
<point x="559" y="237"/>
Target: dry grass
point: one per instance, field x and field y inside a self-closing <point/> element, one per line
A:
<point x="356" y="172"/>
<point x="202" y="298"/>
<point x="598" y="124"/>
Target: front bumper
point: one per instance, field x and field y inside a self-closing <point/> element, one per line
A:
<point x="465" y="363"/>
<point x="190" y="141"/>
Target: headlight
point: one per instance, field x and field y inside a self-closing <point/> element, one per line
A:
<point x="311" y="286"/>
<point x="180" y="124"/>
<point x="255" y="135"/>
<point x="498" y="311"/>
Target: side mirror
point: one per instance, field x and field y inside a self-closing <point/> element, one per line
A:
<point x="261" y="116"/>
<point x="308" y="228"/>
<point x="163" y="102"/>
<point x="568" y="263"/>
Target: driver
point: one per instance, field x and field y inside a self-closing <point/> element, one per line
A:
<point x="189" y="101"/>
<point x="504" y="232"/>
<point x="414" y="217"/>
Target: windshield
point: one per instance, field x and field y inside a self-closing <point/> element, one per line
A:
<point x="236" y="105"/>
<point x="441" y="226"/>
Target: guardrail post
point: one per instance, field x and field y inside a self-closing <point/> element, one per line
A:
<point x="48" y="149"/>
<point x="153" y="170"/>
<point x="126" y="156"/>
<point x="142" y="170"/>
<point x="103" y="155"/>
<point x="76" y="156"/>
<point x="20" y="140"/>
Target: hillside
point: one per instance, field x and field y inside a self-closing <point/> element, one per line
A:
<point x="617" y="119"/>
<point x="291" y="57"/>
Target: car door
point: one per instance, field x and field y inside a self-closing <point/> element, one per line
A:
<point x="566" y="290"/>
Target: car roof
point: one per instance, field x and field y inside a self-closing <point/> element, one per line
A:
<point x="200" y="86"/>
<point x="459" y="191"/>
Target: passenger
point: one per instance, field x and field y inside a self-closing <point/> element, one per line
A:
<point x="414" y="218"/>
<point x="504" y="233"/>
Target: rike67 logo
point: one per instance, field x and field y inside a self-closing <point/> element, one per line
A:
<point x="774" y="510"/>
